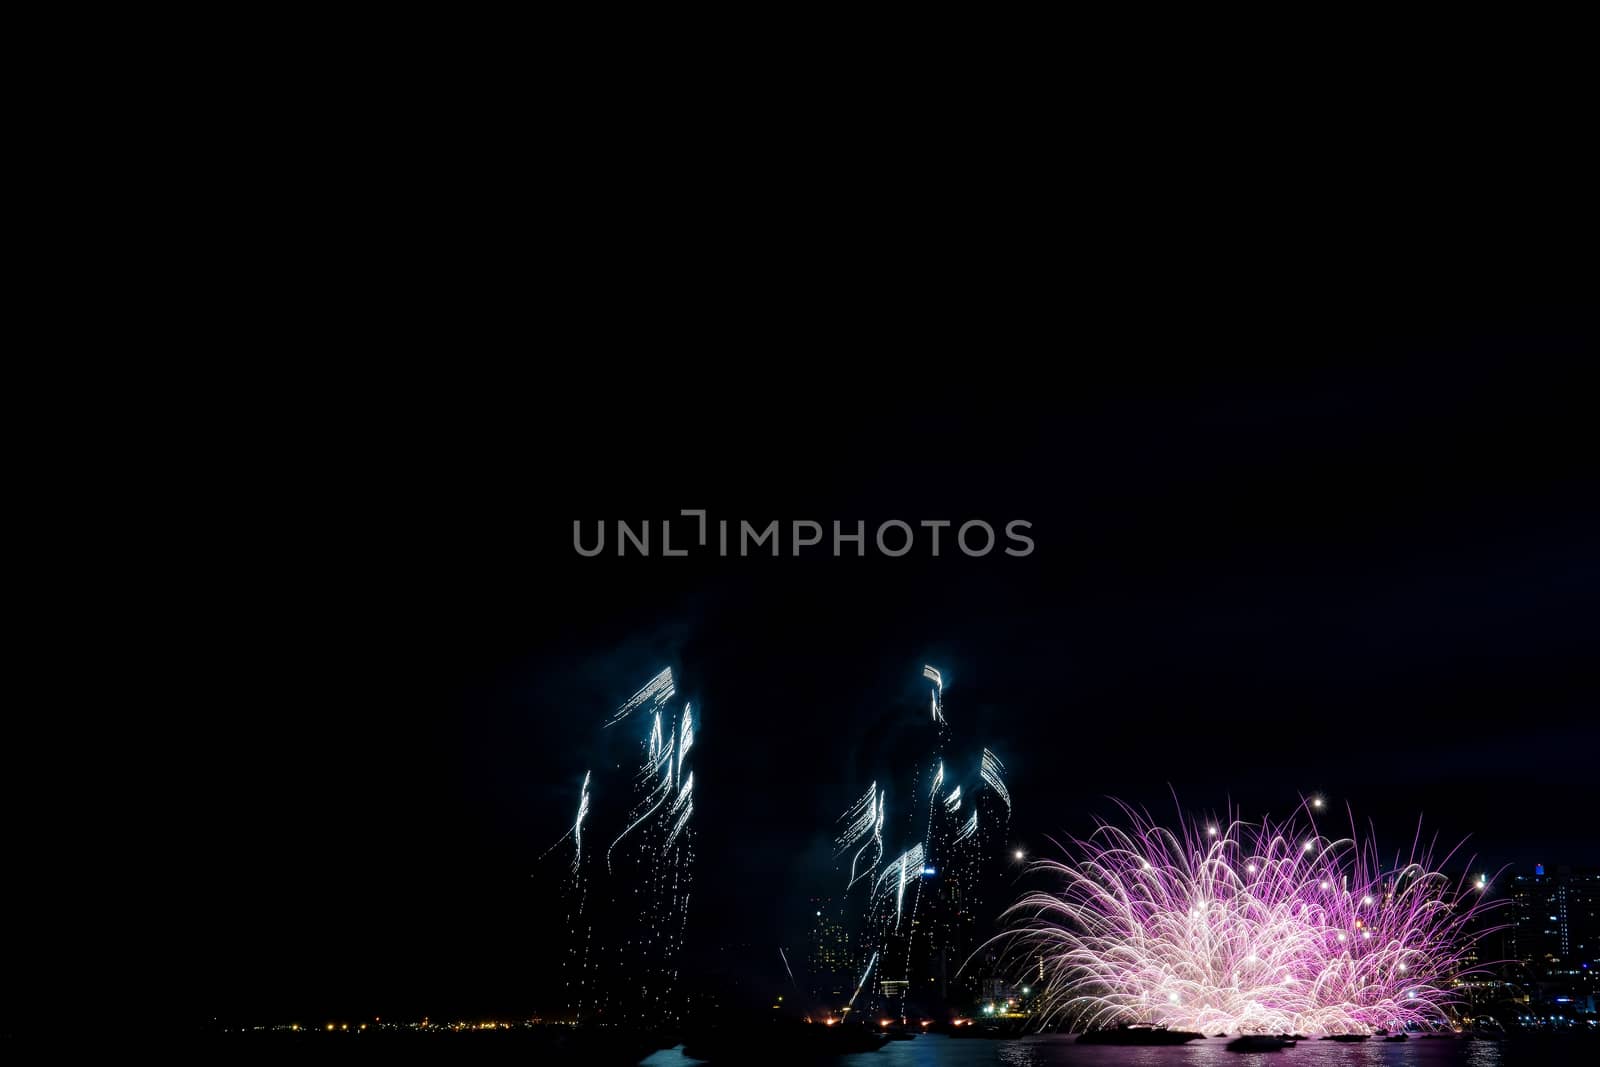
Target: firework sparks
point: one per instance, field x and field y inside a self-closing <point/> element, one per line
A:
<point x="936" y="695"/>
<point x="658" y="691"/>
<point x="895" y="878"/>
<point x="992" y="771"/>
<point x="681" y="809"/>
<point x="1245" y="930"/>
<point x="873" y="962"/>
<point x="659" y="768"/>
<point x="577" y="825"/>
<point x="865" y="818"/>
<point x="859" y="821"/>
<point x="686" y="734"/>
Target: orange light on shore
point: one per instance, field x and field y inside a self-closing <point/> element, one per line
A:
<point x="829" y="1022"/>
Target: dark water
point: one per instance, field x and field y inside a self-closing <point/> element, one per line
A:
<point x="933" y="1050"/>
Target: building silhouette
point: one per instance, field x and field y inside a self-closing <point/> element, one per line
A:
<point x="828" y="958"/>
<point x="1554" y="935"/>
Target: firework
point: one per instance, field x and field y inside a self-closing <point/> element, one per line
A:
<point x="577" y="825"/>
<point x="992" y="771"/>
<point x="1259" y="928"/>
<point x="906" y="870"/>
<point x="864" y="818"/>
<point x="657" y="691"/>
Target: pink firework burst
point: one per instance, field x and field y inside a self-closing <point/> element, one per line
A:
<point x="1220" y="925"/>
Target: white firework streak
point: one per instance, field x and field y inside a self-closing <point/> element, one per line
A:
<point x="969" y="828"/>
<point x="909" y="860"/>
<point x="784" y="956"/>
<point x="912" y="857"/>
<point x="657" y="795"/>
<point x="678" y="827"/>
<point x="991" y="772"/>
<point x="952" y="802"/>
<point x="686" y="734"/>
<point x="856" y="871"/>
<point x="577" y="825"/>
<point x="927" y="847"/>
<point x="936" y="697"/>
<point x="860" y="814"/>
<point x="873" y="962"/>
<point x="682" y="807"/>
<point x="876" y="844"/>
<point x="659" y="690"/>
<point x="660" y="758"/>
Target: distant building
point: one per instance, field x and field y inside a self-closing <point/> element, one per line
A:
<point x="1555" y="934"/>
<point x="829" y="963"/>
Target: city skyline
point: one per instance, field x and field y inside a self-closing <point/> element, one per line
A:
<point x="929" y="885"/>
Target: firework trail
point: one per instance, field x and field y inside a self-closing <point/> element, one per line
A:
<point x="658" y="691"/>
<point x="1244" y="928"/>
<point x="686" y="734"/>
<point x="864" y="817"/>
<point x="873" y="962"/>
<point x="658" y="768"/>
<point x="785" y="958"/>
<point x="936" y="700"/>
<point x="992" y="771"/>
<point x="893" y="881"/>
<point x="577" y="825"/>
<point x="680" y="811"/>
<point x="860" y="816"/>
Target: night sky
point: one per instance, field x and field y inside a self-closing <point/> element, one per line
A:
<point x="1282" y="546"/>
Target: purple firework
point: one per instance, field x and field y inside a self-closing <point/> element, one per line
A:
<point x="1245" y="928"/>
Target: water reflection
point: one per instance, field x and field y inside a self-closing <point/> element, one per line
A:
<point x="933" y="1050"/>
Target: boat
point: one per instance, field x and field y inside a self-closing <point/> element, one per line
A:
<point x="1258" y="1043"/>
<point x="1345" y="1037"/>
<point x="1139" y="1035"/>
<point x="1396" y="1037"/>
